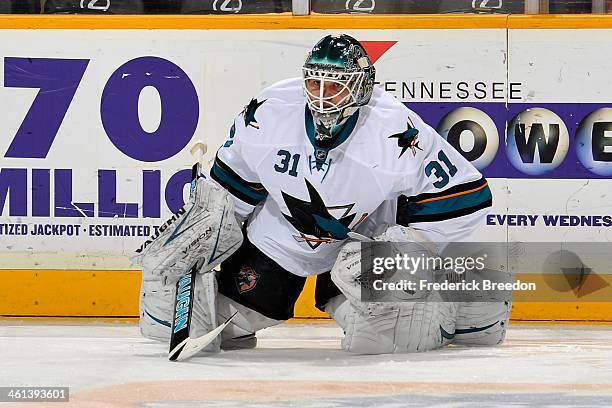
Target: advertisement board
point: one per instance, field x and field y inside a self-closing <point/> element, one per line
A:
<point x="97" y="126"/>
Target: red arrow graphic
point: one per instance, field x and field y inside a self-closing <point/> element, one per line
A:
<point x="376" y="49"/>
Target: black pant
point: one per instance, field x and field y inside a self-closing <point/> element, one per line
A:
<point x="252" y="279"/>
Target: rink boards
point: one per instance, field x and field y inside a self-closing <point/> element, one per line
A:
<point x="98" y="115"/>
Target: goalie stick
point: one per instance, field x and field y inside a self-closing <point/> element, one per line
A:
<point x="181" y="345"/>
<point x="359" y="237"/>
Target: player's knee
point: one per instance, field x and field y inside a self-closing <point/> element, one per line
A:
<point x="482" y="324"/>
<point x="240" y="333"/>
<point x="409" y="327"/>
<point x="359" y="338"/>
<point x="339" y="309"/>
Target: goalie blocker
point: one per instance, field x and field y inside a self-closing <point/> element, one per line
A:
<point x="207" y="232"/>
<point x="204" y="231"/>
<point x="249" y="282"/>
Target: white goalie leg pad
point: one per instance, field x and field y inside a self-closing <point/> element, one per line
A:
<point x="425" y="325"/>
<point x="205" y="230"/>
<point x="340" y="309"/>
<point x="411" y="322"/>
<point x="157" y="309"/>
<point x="246" y="323"/>
<point x="406" y="328"/>
<point x="204" y="313"/>
<point x="482" y="324"/>
<point x="156" y="303"/>
<point x="156" y="313"/>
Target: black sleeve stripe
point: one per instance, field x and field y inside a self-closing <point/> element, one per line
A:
<point x="448" y="215"/>
<point x="236" y="193"/>
<point x="235" y="176"/>
<point x="472" y="185"/>
<point x="250" y="193"/>
<point x="454" y="202"/>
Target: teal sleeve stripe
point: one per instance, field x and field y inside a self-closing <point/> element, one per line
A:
<point x="237" y="185"/>
<point x="451" y="204"/>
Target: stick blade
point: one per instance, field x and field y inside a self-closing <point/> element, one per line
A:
<point x="359" y="237"/>
<point x="190" y="347"/>
<point x="177" y="350"/>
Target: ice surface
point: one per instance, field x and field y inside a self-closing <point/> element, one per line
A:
<point x="302" y="365"/>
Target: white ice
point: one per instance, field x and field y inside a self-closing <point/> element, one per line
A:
<point x="302" y="365"/>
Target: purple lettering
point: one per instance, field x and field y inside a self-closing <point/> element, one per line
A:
<point x="174" y="190"/>
<point x="14" y="183"/>
<point x="41" y="193"/>
<point x="57" y="80"/>
<point x="64" y="207"/>
<point x="151" y="193"/>
<point x="532" y="219"/>
<point x="179" y="106"/>
<point x="551" y="220"/>
<point x="107" y="198"/>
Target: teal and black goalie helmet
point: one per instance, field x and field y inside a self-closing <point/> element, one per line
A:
<point x="338" y="79"/>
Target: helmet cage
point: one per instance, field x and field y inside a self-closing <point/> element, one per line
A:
<point x="338" y="78"/>
<point x="320" y="100"/>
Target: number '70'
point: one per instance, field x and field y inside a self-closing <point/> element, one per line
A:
<point x="58" y="81"/>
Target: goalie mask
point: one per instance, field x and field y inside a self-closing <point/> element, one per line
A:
<point x="338" y="79"/>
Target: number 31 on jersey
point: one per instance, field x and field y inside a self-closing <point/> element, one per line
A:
<point x="287" y="161"/>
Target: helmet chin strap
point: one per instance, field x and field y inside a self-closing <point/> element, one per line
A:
<point x="327" y="126"/>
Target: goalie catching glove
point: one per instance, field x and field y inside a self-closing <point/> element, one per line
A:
<point x="205" y="231"/>
<point x="354" y="269"/>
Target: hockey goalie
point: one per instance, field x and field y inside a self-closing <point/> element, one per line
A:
<point x="309" y="164"/>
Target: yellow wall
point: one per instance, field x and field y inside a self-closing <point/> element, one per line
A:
<point x="285" y="22"/>
<point x="79" y="293"/>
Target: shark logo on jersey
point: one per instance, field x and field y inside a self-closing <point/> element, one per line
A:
<point x="408" y="139"/>
<point x="322" y="132"/>
<point x="314" y="221"/>
<point x="249" y="113"/>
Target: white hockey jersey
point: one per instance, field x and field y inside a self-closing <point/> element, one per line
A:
<point x="386" y="166"/>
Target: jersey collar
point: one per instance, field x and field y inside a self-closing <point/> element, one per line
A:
<point x="344" y="133"/>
